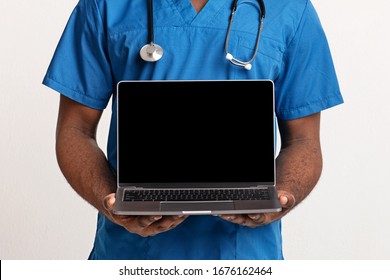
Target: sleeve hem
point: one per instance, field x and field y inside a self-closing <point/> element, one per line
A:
<point x="74" y="95"/>
<point x="304" y="111"/>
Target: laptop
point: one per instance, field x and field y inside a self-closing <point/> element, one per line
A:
<point x="195" y="147"/>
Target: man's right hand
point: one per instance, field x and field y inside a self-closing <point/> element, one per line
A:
<point x="142" y="225"/>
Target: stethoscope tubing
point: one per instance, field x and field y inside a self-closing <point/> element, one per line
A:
<point x="246" y="64"/>
<point x="152" y="52"/>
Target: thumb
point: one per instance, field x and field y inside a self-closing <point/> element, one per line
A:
<point x="109" y="201"/>
<point x="287" y="200"/>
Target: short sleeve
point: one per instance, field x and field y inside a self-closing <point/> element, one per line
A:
<point x="307" y="82"/>
<point x="80" y="67"/>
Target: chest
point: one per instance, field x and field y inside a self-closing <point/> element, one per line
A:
<point x="191" y="41"/>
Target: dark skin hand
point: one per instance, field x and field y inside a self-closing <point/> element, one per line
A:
<point x="85" y="167"/>
<point x="299" y="167"/>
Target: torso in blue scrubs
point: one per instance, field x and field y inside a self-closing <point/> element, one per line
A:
<point x="100" y="46"/>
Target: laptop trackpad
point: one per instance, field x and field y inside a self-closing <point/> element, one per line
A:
<point x="197" y="206"/>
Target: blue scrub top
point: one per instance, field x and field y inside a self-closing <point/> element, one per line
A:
<point x="100" y="46"/>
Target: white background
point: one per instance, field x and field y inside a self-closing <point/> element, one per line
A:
<point x="346" y="217"/>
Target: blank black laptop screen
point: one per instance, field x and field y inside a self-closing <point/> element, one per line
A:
<point x="195" y="131"/>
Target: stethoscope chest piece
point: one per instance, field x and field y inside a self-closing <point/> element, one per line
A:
<point x="151" y="52"/>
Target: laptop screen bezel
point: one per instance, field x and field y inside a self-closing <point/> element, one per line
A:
<point x="244" y="85"/>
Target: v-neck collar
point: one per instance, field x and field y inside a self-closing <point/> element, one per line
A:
<point x="189" y="14"/>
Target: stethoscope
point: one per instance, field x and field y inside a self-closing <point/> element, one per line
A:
<point x="152" y="52"/>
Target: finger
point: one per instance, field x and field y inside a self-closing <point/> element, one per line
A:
<point x="109" y="202"/>
<point x="237" y="219"/>
<point x="257" y="218"/>
<point x="287" y="200"/>
<point x="164" y="224"/>
<point x="169" y="222"/>
<point x="158" y="224"/>
<point x="251" y="220"/>
<point x="146" y="221"/>
<point x="176" y="217"/>
<point x="141" y="225"/>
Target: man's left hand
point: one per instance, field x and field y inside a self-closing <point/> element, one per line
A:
<point x="287" y="201"/>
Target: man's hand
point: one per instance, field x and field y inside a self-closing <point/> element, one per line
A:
<point x="287" y="201"/>
<point x="142" y="225"/>
<point x="298" y="168"/>
<point x="85" y="167"/>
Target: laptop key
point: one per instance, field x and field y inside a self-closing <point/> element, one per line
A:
<point x="196" y="195"/>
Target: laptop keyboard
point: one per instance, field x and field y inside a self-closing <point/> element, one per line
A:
<point x="197" y="194"/>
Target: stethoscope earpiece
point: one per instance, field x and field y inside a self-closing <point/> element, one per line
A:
<point x="229" y="57"/>
<point x="152" y="52"/>
<point x="237" y="62"/>
<point x="246" y="64"/>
